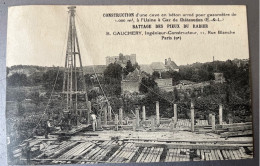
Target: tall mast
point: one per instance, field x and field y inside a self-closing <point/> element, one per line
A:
<point x="74" y="86"/>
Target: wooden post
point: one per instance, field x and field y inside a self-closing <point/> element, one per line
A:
<point x="116" y="122"/>
<point x="220" y="114"/>
<point x="126" y="120"/>
<point x="172" y="124"/>
<point x="88" y="111"/>
<point x="213" y="122"/>
<point x="109" y="113"/>
<point x="175" y="113"/>
<point x="134" y="124"/>
<point x="157" y="114"/>
<point x="210" y="118"/>
<point x="192" y="116"/>
<point x="105" y="115"/>
<point x="99" y="123"/>
<point x="120" y="116"/>
<point x="230" y="120"/>
<point x="144" y="113"/>
<point x="137" y="117"/>
<point x="152" y="125"/>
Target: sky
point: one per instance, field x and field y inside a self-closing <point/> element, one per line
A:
<point x="37" y="35"/>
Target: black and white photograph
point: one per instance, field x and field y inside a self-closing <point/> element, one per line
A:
<point x="128" y="84"/>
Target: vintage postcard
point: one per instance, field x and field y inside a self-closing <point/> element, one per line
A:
<point x="127" y="84"/>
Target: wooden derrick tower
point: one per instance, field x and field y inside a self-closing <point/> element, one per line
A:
<point x="74" y="86"/>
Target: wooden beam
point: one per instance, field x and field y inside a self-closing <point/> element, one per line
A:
<point x="236" y="133"/>
<point x="191" y="146"/>
<point x="239" y="128"/>
<point x="224" y="126"/>
<point x="191" y="141"/>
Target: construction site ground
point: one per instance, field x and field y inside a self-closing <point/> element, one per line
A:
<point x="126" y="145"/>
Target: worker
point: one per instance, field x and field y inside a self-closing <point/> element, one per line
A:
<point x="28" y="153"/>
<point x="48" y="127"/>
<point x="94" y="121"/>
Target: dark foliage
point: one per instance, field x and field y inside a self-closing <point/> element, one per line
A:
<point x="17" y="79"/>
<point x="49" y="79"/>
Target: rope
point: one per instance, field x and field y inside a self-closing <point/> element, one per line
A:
<point x="53" y="85"/>
<point x="79" y="20"/>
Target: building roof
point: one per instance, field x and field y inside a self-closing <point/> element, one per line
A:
<point x="146" y="68"/>
<point x="172" y="65"/>
<point x="157" y="66"/>
<point x="133" y="76"/>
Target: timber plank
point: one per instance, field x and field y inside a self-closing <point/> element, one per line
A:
<point x="175" y="154"/>
<point x="178" y="155"/>
<point x="235" y="154"/>
<point x="116" y="153"/>
<point x="141" y="155"/>
<point x="128" y="153"/>
<point x="132" y="155"/>
<point x="207" y="156"/>
<point x="192" y="146"/>
<point x="147" y="159"/>
<point x="103" y="147"/>
<point x="202" y="155"/>
<point x="231" y="154"/>
<point x="220" y="155"/>
<point x="159" y="155"/>
<point x="228" y="155"/>
<point x="118" y="157"/>
<point x="104" y="153"/>
<point x="146" y="154"/>
<point x="239" y="154"/>
<point x="170" y="155"/>
<point x="154" y="154"/>
<point x="224" y="155"/>
<point x="215" y="155"/>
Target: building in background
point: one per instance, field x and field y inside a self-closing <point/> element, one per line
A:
<point x="132" y="82"/>
<point x="165" y="84"/>
<point x="160" y="67"/>
<point x="121" y="59"/>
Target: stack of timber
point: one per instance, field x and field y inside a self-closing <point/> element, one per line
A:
<point x="124" y="154"/>
<point x="235" y="129"/>
<point x="150" y="154"/>
<point x="139" y="150"/>
<point x="33" y="144"/>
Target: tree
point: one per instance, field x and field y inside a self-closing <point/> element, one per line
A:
<point x="176" y="94"/>
<point x="128" y="68"/>
<point x="49" y="79"/>
<point x="147" y="84"/>
<point x="156" y="74"/>
<point x="113" y="73"/>
<point x="36" y="99"/>
<point x="17" y="79"/>
<point x="136" y="66"/>
<point x="20" y="96"/>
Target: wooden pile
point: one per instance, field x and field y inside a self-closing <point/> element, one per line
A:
<point x="235" y="129"/>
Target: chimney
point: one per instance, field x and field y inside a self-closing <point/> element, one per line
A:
<point x="165" y="61"/>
